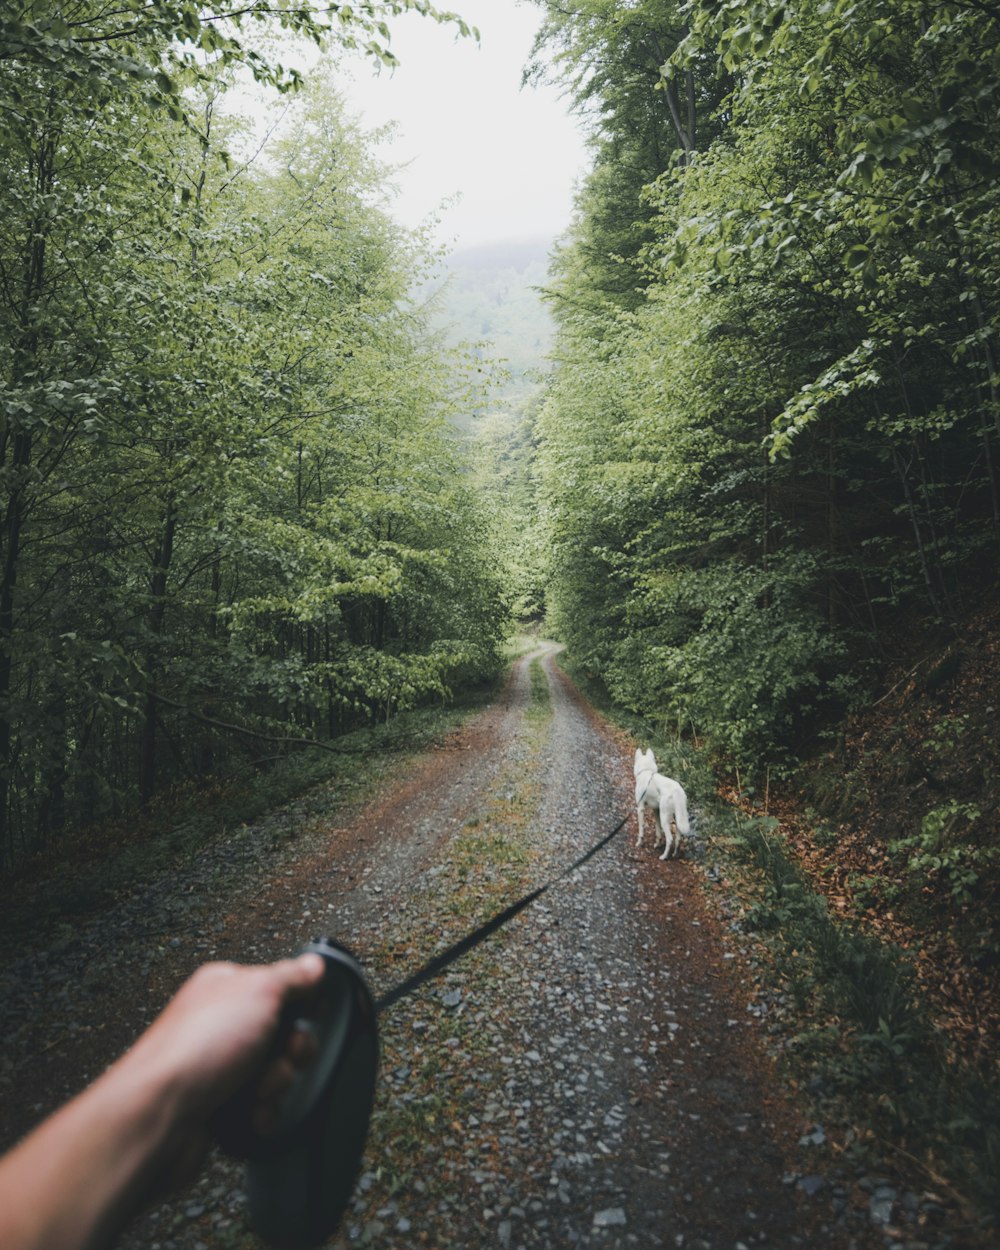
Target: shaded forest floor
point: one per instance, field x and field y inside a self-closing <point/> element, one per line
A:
<point x="929" y="743"/>
<point x="48" y="896"/>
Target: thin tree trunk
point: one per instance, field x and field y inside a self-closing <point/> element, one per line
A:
<point x="991" y="474"/>
<point x="918" y="537"/>
<point x="157" y="611"/>
<point x="831" y="528"/>
<point x="13" y="522"/>
<point x="18" y="444"/>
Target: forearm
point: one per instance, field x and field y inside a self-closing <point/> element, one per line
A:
<point x="75" y="1181"/>
<point x="143" y="1127"/>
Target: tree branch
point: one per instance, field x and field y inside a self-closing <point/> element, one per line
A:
<point x="253" y="733"/>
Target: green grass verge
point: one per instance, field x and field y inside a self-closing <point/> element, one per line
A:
<point x="488" y="864"/>
<point x="540" y="707"/>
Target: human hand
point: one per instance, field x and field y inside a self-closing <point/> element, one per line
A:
<point x="145" y="1124"/>
<point x="213" y="1040"/>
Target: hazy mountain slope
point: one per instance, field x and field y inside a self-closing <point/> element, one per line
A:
<point x="487" y="298"/>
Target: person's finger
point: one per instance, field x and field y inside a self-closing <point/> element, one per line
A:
<point x="303" y="973"/>
<point x="278" y="1078"/>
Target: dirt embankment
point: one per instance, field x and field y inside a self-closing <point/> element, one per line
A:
<point x="590" y="1076"/>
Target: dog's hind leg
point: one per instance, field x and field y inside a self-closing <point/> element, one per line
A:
<point x="664" y="820"/>
<point x="660" y="830"/>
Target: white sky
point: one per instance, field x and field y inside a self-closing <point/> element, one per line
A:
<point x="467" y="128"/>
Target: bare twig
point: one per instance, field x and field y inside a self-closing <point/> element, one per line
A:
<point x="255" y="733"/>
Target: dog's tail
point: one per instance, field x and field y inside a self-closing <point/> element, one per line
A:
<point x="681" y="813"/>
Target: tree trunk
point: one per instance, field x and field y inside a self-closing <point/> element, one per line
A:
<point x="157" y="611"/>
<point x="17" y="444"/>
<point x="901" y="473"/>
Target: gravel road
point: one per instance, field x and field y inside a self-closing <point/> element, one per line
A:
<point x="590" y="1076"/>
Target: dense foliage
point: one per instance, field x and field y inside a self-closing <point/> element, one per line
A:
<point x="234" y="515"/>
<point x="776" y="416"/>
<point x="490" y="307"/>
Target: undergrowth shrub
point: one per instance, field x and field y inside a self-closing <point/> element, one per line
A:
<point x="895" y="1069"/>
<point x="953" y="872"/>
<point x="944" y="847"/>
<point x="860" y="975"/>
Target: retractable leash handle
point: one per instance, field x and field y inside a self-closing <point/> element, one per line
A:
<point x="300" y="1176"/>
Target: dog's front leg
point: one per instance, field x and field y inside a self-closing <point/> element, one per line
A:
<point x="638" y="840"/>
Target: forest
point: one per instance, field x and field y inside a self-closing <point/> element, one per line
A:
<point x="775" y="420"/>
<point x="240" y="513"/>
<point x="240" y="509"/>
<point x="767" y="455"/>
<point x="255" y="497"/>
<point x="234" y="513"/>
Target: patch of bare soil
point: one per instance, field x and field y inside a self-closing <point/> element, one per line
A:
<point x="590" y="1076"/>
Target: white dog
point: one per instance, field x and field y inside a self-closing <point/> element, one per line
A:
<point x="665" y="796"/>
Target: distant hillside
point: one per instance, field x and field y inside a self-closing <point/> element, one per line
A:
<point x="518" y="254"/>
<point x="487" y="298"/>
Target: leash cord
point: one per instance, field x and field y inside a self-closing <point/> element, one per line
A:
<point x="471" y="940"/>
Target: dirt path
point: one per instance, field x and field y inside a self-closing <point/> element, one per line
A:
<point x="589" y="1077"/>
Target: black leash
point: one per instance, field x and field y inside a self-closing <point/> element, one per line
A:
<point x="473" y="939"/>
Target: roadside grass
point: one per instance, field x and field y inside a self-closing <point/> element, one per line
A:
<point x="540" y="708"/>
<point x="87" y="872"/>
<point x="520" y="644"/>
<point x="844" y="1014"/>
